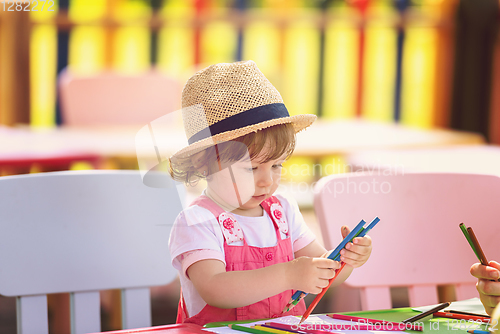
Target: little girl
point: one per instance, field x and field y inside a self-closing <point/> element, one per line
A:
<point x="241" y="251"/>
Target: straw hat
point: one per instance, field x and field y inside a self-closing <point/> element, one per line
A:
<point x="226" y="101"/>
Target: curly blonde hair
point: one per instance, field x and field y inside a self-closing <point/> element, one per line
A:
<point x="279" y="138"/>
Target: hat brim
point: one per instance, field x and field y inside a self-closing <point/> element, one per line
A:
<point x="299" y="122"/>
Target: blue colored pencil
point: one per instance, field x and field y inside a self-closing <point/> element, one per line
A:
<point x="335" y="255"/>
<point x="316" y="300"/>
<point x="363" y="232"/>
<point x="337" y="250"/>
<point x="337" y="258"/>
<point x="371" y="226"/>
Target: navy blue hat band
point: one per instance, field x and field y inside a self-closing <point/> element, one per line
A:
<point x="248" y="117"/>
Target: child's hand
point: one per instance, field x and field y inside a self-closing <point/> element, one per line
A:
<point x="357" y="252"/>
<point x="310" y="274"/>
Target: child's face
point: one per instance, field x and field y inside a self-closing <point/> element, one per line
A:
<point x="241" y="186"/>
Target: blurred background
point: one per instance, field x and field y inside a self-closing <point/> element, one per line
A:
<point x="426" y="65"/>
<point x="423" y="63"/>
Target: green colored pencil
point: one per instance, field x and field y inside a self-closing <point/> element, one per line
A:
<point x="247" y="329"/>
<point x="467" y="236"/>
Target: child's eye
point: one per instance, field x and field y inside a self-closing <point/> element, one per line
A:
<point x="277" y="166"/>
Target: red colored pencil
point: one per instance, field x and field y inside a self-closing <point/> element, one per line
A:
<point x="296" y="328"/>
<point x="474" y="244"/>
<point x="319" y="296"/>
<point x="461" y="316"/>
<point x="479" y="250"/>
<point x="327" y="328"/>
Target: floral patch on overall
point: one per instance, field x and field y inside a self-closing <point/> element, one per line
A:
<point x="279" y="217"/>
<point x="230" y="228"/>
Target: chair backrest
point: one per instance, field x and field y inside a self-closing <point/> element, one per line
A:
<point x="115" y="99"/>
<point x="477" y="159"/>
<point x="81" y="232"/>
<point x="417" y="243"/>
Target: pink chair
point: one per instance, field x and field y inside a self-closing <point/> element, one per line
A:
<point x="115" y="99"/>
<point x="417" y="243"/>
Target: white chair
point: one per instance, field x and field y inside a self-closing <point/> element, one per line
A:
<point x="81" y="232"/>
<point x="417" y="243"/>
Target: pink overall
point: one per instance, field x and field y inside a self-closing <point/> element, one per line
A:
<point x="247" y="258"/>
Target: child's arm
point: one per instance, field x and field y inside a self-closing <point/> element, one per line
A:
<point x="240" y="288"/>
<point x="355" y="253"/>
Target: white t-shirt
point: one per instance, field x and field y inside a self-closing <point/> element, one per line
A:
<point x="196" y="235"/>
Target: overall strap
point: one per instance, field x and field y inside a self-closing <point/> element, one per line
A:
<point x="231" y="230"/>
<point x="273" y="207"/>
<point x="205" y="202"/>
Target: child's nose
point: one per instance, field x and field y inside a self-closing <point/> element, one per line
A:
<point x="265" y="179"/>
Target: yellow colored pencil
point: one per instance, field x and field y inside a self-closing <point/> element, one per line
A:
<point x="271" y="330"/>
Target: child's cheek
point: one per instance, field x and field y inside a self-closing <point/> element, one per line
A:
<point x="234" y="194"/>
<point x="246" y="186"/>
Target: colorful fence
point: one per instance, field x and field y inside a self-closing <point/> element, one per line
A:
<point x="379" y="59"/>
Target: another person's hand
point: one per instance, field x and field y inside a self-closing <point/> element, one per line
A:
<point x="489" y="291"/>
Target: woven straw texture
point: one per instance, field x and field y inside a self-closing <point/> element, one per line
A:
<point x="223" y="90"/>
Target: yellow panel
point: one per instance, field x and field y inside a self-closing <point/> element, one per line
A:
<point x="176" y="39"/>
<point x="381" y="6"/>
<point x="86" y="49"/>
<point x="340" y="71"/>
<point x="281" y="4"/>
<point x="300" y="77"/>
<point x="43" y="75"/>
<point x="42" y="10"/>
<point x="177" y="8"/>
<point x="131" y="49"/>
<point x="417" y="93"/>
<point x="261" y="41"/>
<point x="333" y="164"/>
<point x="81" y="165"/>
<point x="379" y="73"/>
<point x="435" y="7"/>
<point x="175" y="49"/>
<point x="131" y="10"/>
<point x="218" y="43"/>
<point x="298" y="169"/>
<point x="87" y="10"/>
